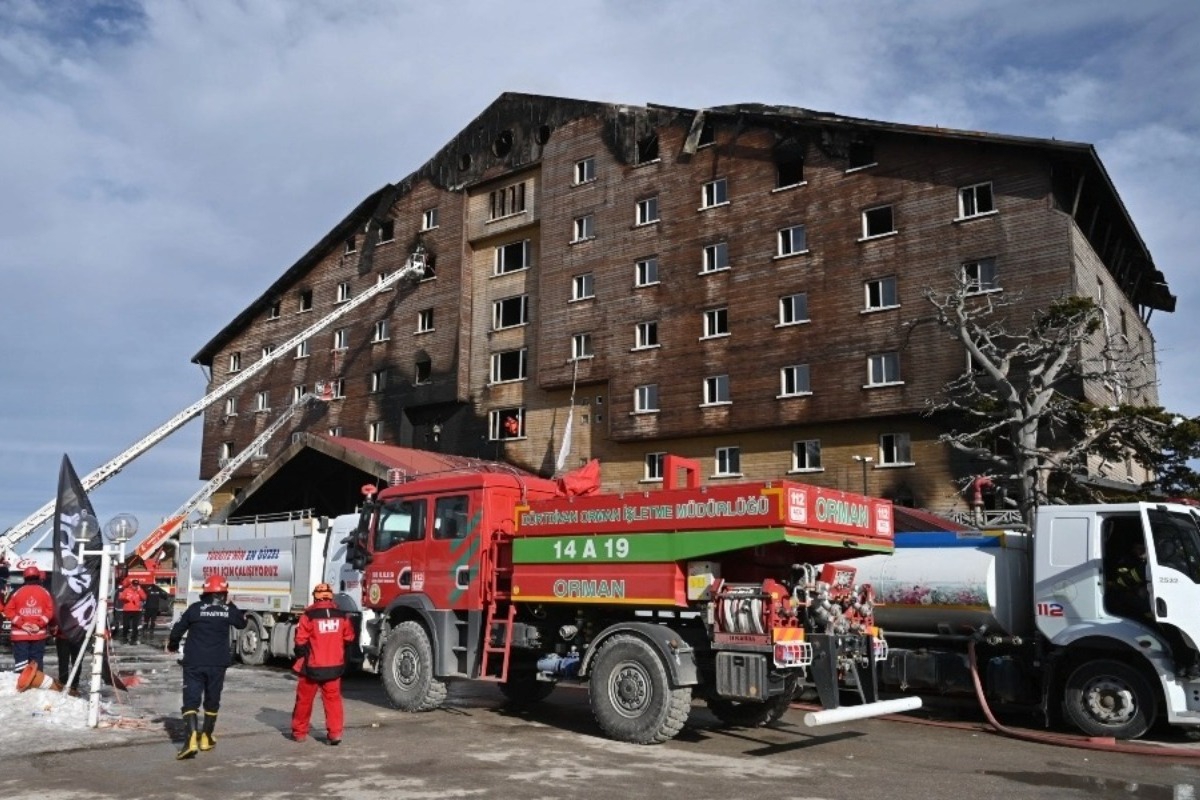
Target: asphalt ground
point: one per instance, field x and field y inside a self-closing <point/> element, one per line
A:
<point x="478" y="747"/>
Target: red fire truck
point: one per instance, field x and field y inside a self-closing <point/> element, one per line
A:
<point x="650" y="598"/>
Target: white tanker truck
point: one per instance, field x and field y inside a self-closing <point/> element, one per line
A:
<point x="272" y="564"/>
<point x="1047" y="624"/>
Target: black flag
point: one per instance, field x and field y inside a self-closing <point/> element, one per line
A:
<point x="75" y="585"/>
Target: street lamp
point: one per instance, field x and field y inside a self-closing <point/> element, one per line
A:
<point x="119" y="530"/>
<point x="864" y="460"/>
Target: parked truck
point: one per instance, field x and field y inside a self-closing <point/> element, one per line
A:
<point x="647" y="598"/>
<point x="272" y="564"/>
<point x="1046" y="619"/>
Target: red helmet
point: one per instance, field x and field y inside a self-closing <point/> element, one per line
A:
<point x="215" y="584"/>
<point x="322" y="591"/>
<point x="32" y="572"/>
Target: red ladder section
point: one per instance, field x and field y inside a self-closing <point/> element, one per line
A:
<point x="498" y="625"/>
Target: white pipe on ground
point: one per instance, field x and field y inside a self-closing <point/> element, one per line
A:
<point x="846" y="713"/>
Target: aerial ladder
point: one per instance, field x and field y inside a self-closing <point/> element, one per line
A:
<point x="414" y="268"/>
<point x="149" y="546"/>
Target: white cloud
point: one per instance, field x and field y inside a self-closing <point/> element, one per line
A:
<point x="165" y="163"/>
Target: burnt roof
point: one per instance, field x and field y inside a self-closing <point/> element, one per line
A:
<point x="536" y="116"/>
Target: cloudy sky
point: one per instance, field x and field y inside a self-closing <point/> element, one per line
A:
<point x="163" y="161"/>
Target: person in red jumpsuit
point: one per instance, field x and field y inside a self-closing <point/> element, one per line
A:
<point x="31" y="610"/>
<point x="321" y="640"/>
<point x="132" y="598"/>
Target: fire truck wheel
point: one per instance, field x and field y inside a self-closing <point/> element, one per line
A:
<point x="740" y="714"/>
<point x="252" y="643"/>
<point x="1110" y="698"/>
<point x="631" y="694"/>
<point x="407" y="669"/>
<point x="524" y="689"/>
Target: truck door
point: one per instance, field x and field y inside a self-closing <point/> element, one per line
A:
<point x="1174" y="569"/>
<point x="399" y="546"/>
<point x="452" y="553"/>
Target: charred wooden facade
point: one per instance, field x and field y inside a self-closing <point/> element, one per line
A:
<point x="742" y="285"/>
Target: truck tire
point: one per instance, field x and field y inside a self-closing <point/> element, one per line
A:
<point x="1110" y="698"/>
<point x="407" y="669"/>
<point x="252" y="642"/>
<point x="524" y="689"/>
<point x="631" y="694"/>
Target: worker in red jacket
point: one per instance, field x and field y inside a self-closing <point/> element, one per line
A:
<point x="132" y="598"/>
<point x="321" y="640"/>
<point x="31" y="610"/>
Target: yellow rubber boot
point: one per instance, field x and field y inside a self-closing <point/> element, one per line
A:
<point x="191" y="742"/>
<point x="207" y="740"/>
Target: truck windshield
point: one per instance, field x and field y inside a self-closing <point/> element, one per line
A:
<point x="1176" y="541"/>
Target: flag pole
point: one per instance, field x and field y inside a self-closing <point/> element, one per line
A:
<point x="100" y="634"/>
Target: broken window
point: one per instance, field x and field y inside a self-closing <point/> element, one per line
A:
<point x="509" y="365"/>
<point x="878" y="222"/>
<point x="860" y="154"/>
<point x="510" y="312"/>
<point x="647" y="148"/>
<point x="423" y="370"/>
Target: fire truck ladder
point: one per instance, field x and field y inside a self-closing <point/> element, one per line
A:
<point x="414" y="267"/>
<point x="498" y="624"/>
<point x="151" y="544"/>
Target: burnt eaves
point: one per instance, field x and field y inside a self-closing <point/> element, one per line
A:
<point x="374" y="207"/>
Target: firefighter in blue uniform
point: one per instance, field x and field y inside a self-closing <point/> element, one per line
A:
<point x="205" y="659"/>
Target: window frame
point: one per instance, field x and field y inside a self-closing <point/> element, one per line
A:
<point x="499" y="366"/>
<point x="583" y="286"/>
<point x="496" y="418"/>
<point x="646" y="212"/>
<point x="901" y="444"/>
<point x="507" y="201"/>
<point x="866" y="222"/>
<point x="583" y="229"/>
<point x="343" y="292"/>
<point x="380" y="331"/>
<point x="584" y="171"/>
<point x="425" y="321"/>
<point x="375" y="431"/>
<point x="716" y="323"/>
<point x="429" y="219"/>
<point x="786" y="244"/>
<point x="787" y="306"/>
<point x="582" y="346"/>
<point x="712" y="254"/>
<point x="882" y="284"/>
<point x="262" y="400"/>
<point x="806" y="446"/>
<point x="795" y="372"/>
<point x="891" y="357"/>
<point x="645" y="335"/>
<point x="645" y="399"/>
<point x="235" y="362"/>
<point x="716" y="391"/>
<point x="727" y="462"/>
<point x="714" y="193"/>
<point x="379" y="380"/>
<point x="976" y="285"/>
<point x="302" y="350"/>
<point x="341" y="339"/>
<point x="498" y="306"/>
<point x="972" y="192"/>
<point x="642" y="268"/>
<point x="500" y="257"/>
<point x="652" y="467"/>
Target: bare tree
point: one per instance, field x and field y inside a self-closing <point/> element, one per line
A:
<point x="1020" y="405"/>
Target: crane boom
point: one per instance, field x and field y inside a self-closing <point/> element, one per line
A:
<point x="413" y="267"/>
<point x="150" y="545"/>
